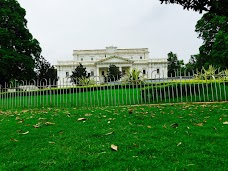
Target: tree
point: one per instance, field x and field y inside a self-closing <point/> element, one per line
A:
<point x="191" y="65"/>
<point x="213" y="30"/>
<point x="174" y="65"/>
<point x="219" y="7"/>
<point x="113" y="73"/>
<point x="46" y="72"/>
<point x="196" y="62"/>
<point x="18" y="49"/>
<point x="79" y="72"/>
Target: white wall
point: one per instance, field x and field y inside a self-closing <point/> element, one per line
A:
<point x="150" y="65"/>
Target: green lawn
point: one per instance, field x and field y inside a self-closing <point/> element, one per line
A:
<point x="117" y="95"/>
<point x="111" y="97"/>
<point x="161" y="137"/>
<point x="186" y="92"/>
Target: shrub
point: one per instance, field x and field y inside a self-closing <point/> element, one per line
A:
<point x="211" y="74"/>
<point x="133" y="77"/>
<point x="86" y="81"/>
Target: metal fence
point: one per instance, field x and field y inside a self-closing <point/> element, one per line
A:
<point x="93" y="92"/>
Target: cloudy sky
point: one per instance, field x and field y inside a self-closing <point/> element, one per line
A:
<point x="63" y="26"/>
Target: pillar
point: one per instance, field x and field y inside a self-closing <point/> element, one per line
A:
<point x="98" y="75"/>
<point x="120" y="68"/>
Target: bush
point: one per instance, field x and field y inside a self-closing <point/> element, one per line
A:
<point x="133" y="77"/>
<point x="86" y="81"/>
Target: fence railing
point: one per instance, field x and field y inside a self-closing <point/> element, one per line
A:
<point x="92" y="92"/>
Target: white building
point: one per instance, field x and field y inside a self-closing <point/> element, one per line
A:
<point x="98" y="61"/>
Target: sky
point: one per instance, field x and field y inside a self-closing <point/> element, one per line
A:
<point x="63" y="26"/>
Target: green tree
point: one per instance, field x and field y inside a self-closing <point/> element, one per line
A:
<point x="45" y="71"/>
<point x="196" y="62"/>
<point x="219" y="7"/>
<point x="18" y="49"/>
<point x="213" y="30"/>
<point x="191" y="65"/>
<point x="174" y="65"/>
<point x="113" y="73"/>
<point x="79" y="72"/>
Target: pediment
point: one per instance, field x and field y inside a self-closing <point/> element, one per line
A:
<point x="114" y="59"/>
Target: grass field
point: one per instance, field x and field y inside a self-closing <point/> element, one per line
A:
<point x="183" y="92"/>
<point x="110" y="97"/>
<point x="114" y="96"/>
<point x="159" y="137"/>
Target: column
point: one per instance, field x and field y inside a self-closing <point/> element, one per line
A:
<point x="97" y="75"/>
<point x="120" y="68"/>
<point x="130" y="69"/>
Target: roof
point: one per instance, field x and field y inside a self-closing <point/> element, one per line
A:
<point x="112" y="57"/>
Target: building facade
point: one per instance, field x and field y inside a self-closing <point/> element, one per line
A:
<point x="98" y="61"/>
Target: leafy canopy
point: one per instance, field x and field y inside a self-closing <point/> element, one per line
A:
<point x="174" y="65"/>
<point x="19" y="51"/>
<point x="113" y="73"/>
<point x="46" y="72"/>
<point x="219" y="7"/>
<point x="213" y="29"/>
<point x="79" y="72"/>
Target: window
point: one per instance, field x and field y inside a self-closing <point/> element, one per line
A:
<point x="144" y="72"/>
<point x="88" y="74"/>
<point x="102" y="73"/>
<point x="105" y="55"/>
<point x="132" y="57"/>
<point x="81" y="59"/>
<point x="92" y="73"/>
<point x="91" y="59"/>
<point x="67" y="74"/>
<point x="158" y="71"/>
<point x="140" y="57"/>
<point x="123" y="72"/>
